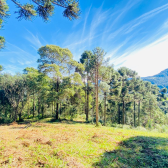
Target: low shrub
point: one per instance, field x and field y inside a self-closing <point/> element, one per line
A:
<point x="5" y="120"/>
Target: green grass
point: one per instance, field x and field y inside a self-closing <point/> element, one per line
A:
<point x="77" y="144"/>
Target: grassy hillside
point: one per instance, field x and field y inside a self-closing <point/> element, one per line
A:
<point x="76" y="144"/>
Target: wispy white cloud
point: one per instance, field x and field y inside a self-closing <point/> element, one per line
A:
<point x="99" y="17"/>
<point x="106" y="20"/>
<point x="150" y="59"/>
<point x="113" y="53"/>
<point x="123" y="39"/>
<point x="123" y="11"/>
<point x="143" y="18"/>
<point x="21" y="54"/>
<point x="18" y="58"/>
<point x="11" y="69"/>
<point x="34" y="40"/>
<point x="120" y="42"/>
<point x="132" y="25"/>
<point x="85" y="22"/>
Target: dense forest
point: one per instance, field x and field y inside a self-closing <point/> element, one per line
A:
<point x="63" y="88"/>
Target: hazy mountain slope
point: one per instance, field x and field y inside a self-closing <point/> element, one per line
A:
<point x="161" y="79"/>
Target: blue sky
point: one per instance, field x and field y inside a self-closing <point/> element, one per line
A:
<point x="134" y="33"/>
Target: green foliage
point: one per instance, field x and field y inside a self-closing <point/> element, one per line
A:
<point x="3" y="10"/>
<point x="4" y="120"/>
<point x="104" y="87"/>
<point x="56" y="59"/>
<point x="3" y="15"/>
<point x="1" y="68"/>
<point x="64" y="88"/>
<point x="2" y="42"/>
<point x="72" y="10"/>
<point x="26" y="12"/>
<point x="45" y="9"/>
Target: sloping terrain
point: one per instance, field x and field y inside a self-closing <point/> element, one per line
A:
<point x="80" y="145"/>
<point x="161" y="79"/>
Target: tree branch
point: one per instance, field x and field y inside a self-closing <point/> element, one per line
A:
<point x="37" y="3"/>
<point x="59" y="5"/>
<point x="17" y="4"/>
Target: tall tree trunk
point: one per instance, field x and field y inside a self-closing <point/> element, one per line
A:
<point x="123" y="113"/>
<point x="52" y="107"/>
<point x="28" y="110"/>
<point x="20" y="116"/>
<point x="16" y="112"/>
<point x="57" y="110"/>
<point x="85" y="98"/>
<point x="134" y="114"/>
<point x="39" y="106"/>
<point x="33" y="103"/>
<point x="60" y="109"/>
<point x="119" y="119"/>
<point x="125" y="121"/>
<point x="1" y="110"/>
<point x="42" y="110"/>
<point x="87" y="106"/>
<point x="53" y="102"/>
<point x="92" y="111"/>
<point x="150" y="111"/>
<point x="105" y="108"/>
<point x="97" y="101"/>
<point x="139" y="114"/>
<point x="5" y="113"/>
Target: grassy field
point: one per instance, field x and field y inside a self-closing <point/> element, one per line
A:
<point x="76" y="144"/>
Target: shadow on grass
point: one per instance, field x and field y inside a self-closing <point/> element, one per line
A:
<point x="137" y="152"/>
<point x="27" y="123"/>
<point x="45" y="120"/>
<point x="67" y="121"/>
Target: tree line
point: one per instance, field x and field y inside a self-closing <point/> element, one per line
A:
<point x="63" y="88"/>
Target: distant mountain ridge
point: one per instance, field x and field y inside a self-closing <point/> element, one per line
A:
<point x="161" y="79"/>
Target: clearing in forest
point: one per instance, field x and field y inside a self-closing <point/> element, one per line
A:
<point x="80" y="145"/>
